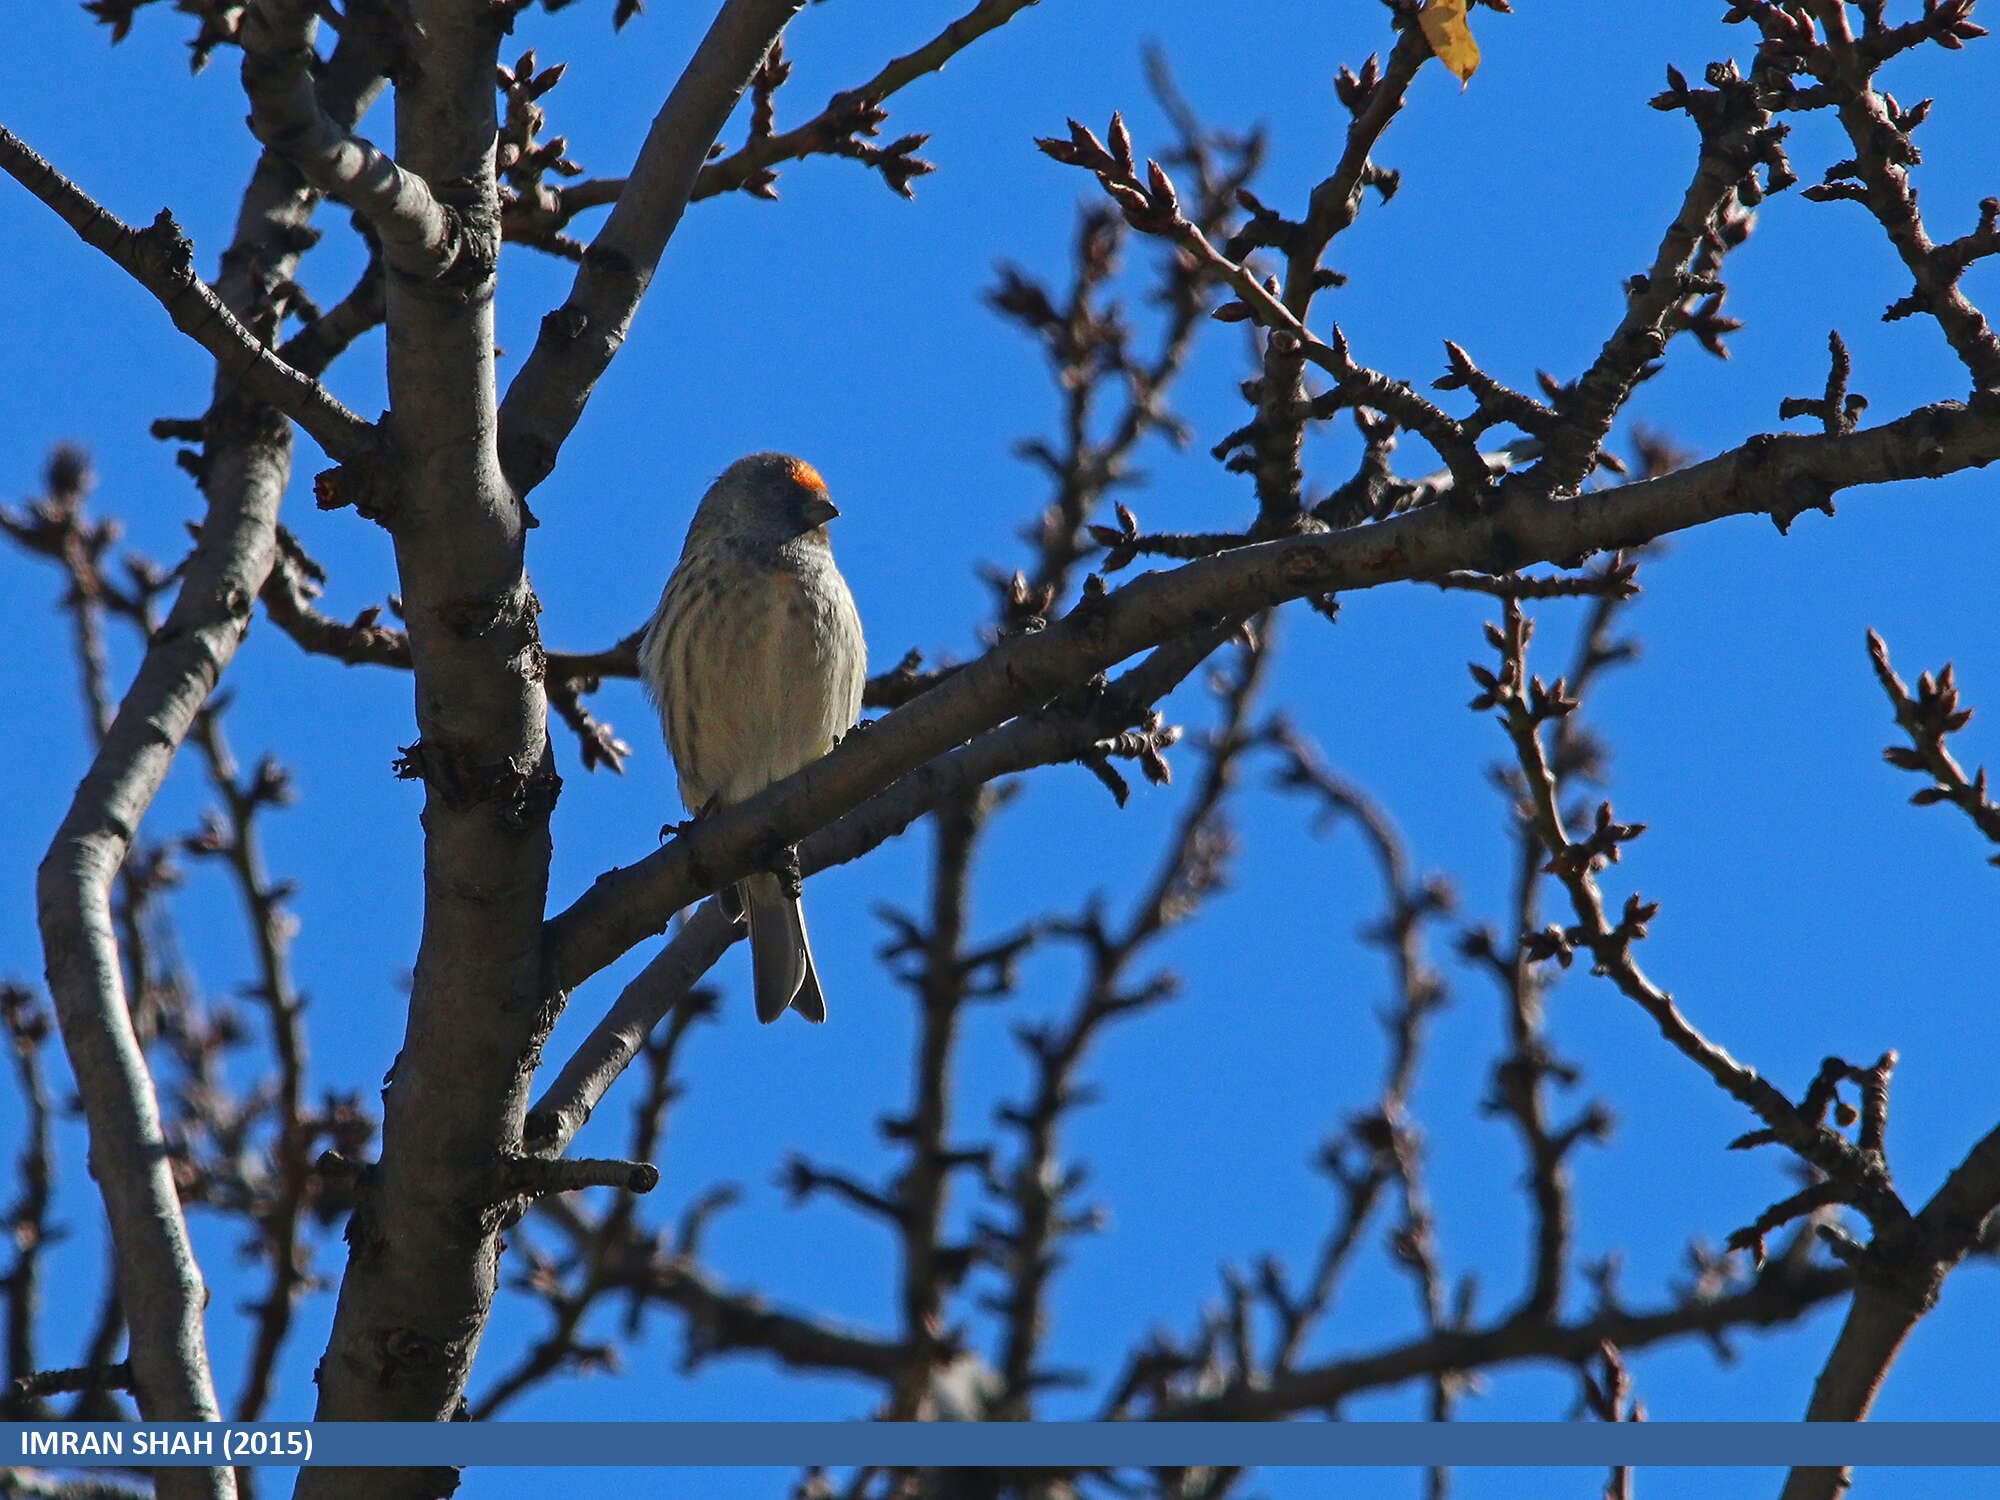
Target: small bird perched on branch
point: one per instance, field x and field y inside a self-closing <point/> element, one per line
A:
<point x="755" y="661"/>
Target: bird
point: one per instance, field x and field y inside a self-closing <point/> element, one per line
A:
<point x="755" y="660"/>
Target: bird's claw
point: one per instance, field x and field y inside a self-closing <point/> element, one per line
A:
<point x="686" y="825"/>
<point x="785" y="865"/>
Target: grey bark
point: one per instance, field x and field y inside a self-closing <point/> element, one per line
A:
<point x="246" y="464"/>
<point x="423" y="1253"/>
<point x="579" y="338"/>
<point x="423" y="1241"/>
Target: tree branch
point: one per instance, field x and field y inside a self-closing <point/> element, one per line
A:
<point x="327" y="337"/>
<point x="244" y="469"/>
<point x="288" y="593"/>
<point x="1736" y="135"/>
<point x="1386" y="1137"/>
<point x="271" y="927"/>
<point x="1523" y="705"/>
<point x="1928" y="718"/>
<point x="160" y="1285"/>
<point x="599" y="1060"/>
<point x="1878" y="175"/>
<point x="1375" y="100"/>
<point x="420" y="236"/>
<point x="422" y="1265"/>
<point x="579" y="338"/>
<point x="161" y="260"/>
<point x="1778" y="1296"/>
<point x="838" y="121"/>
<point x="851" y="112"/>
<point x="721" y="1322"/>
<point x="27" y="1222"/>
<point x="1036" y="1187"/>
<point x="1775" y="475"/>
<point x="1048" y="738"/>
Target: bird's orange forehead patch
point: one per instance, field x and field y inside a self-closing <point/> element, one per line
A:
<point x="805" y="474"/>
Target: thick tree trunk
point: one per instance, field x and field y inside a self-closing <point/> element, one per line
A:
<point x="424" y="1238"/>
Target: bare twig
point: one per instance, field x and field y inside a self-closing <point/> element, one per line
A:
<point x="1878" y="174"/>
<point x="235" y="838"/>
<point x="1736" y="137"/>
<point x="161" y="260"/>
<point x="1384" y="1136"/>
<point x="1022" y="671"/>
<point x="578" y="339"/>
<point x="1524" y="705"/>
<point x="1151" y="205"/>
<point x="1037" y="1189"/>
<point x="88" y="1377"/>
<point x="1778" y="1296"/>
<point x="27" y="1222"/>
<point x="1928" y="717"/>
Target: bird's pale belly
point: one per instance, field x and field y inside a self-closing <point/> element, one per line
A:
<point x="770" y="698"/>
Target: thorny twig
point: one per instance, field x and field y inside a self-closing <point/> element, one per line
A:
<point x="537" y="213"/>
<point x="279" y="1205"/>
<point x="1817" y="42"/>
<point x="27" y="1223"/>
<point x="1037" y="1190"/>
<point x="1928" y="717"/>
<point x="1089" y="344"/>
<point x="1608" y="1395"/>
<point x="1525" y="704"/>
<point x="1385" y="1138"/>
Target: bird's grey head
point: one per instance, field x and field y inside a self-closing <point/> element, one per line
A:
<point x="768" y="499"/>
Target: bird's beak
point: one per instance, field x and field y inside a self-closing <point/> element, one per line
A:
<point x="820" y="510"/>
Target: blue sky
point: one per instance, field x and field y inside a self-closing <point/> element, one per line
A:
<point x="1805" y="908"/>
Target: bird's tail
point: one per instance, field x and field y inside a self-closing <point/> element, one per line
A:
<point x="781" y="961"/>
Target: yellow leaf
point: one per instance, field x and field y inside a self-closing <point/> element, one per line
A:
<point x="1445" y="29"/>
